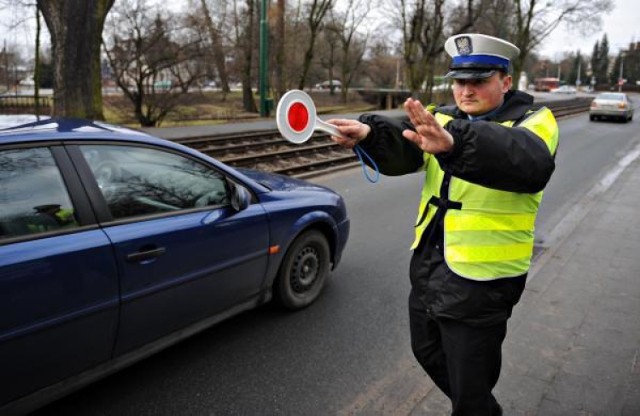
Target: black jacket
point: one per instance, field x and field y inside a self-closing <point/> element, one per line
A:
<point x="485" y="153"/>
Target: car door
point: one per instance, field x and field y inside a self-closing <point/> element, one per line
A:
<point x="58" y="277"/>
<point x="184" y="253"/>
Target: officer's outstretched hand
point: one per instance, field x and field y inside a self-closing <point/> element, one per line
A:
<point x="353" y="130"/>
<point x="430" y="136"/>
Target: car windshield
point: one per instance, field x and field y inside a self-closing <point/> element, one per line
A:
<point x="615" y="97"/>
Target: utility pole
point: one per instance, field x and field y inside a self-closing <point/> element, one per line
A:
<point x="559" y="72"/>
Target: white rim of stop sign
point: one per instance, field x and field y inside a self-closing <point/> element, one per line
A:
<point x="282" y="116"/>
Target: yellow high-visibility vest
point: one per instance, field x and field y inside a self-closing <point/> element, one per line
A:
<point x="491" y="235"/>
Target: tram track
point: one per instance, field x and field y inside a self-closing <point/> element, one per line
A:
<point x="268" y="151"/>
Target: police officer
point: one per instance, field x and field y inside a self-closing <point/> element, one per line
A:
<point x="486" y="161"/>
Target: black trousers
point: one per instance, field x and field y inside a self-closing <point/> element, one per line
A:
<point x="463" y="361"/>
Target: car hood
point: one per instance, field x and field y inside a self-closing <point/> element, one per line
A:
<point x="277" y="182"/>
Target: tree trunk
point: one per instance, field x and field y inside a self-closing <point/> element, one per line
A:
<point x="248" y="102"/>
<point x="76" y="36"/>
<point x="317" y="10"/>
<point x="516" y="67"/>
<point x="36" y="72"/>
<point x="218" y="50"/>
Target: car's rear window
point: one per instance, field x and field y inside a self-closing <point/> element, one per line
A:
<point x="614" y="97"/>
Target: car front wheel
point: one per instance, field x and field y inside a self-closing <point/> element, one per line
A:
<point x="304" y="270"/>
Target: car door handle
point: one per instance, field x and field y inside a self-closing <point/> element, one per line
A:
<point x="143" y="254"/>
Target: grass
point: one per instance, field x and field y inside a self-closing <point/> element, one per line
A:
<point x="214" y="107"/>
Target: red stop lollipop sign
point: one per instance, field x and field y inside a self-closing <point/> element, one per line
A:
<point x="296" y="118"/>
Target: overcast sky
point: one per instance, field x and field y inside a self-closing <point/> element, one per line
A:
<point x="622" y="26"/>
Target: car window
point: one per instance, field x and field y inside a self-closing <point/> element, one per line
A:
<point x="616" y="97"/>
<point x="33" y="196"/>
<point x="141" y="181"/>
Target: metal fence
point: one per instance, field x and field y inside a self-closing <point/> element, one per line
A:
<point x="25" y="104"/>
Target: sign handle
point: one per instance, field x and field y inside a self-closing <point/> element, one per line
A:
<point x="329" y="128"/>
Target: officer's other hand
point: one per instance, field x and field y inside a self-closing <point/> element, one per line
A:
<point x="353" y="130"/>
<point x="430" y="136"/>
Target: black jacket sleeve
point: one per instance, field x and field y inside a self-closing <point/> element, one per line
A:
<point x="511" y="159"/>
<point x="393" y="154"/>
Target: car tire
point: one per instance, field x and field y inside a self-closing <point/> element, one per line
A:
<point x="592" y="118"/>
<point x="304" y="270"/>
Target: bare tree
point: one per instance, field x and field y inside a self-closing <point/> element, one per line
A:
<point x="216" y="39"/>
<point x="316" y="11"/>
<point x="327" y="52"/>
<point x="150" y="67"/>
<point x="535" y="20"/>
<point x="422" y="32"/>
<point x="6" y="56"/>
<point x="425" y="26"/>
<point x="10" y="60"/>
<point x="247" y="46"/>
<point x="76" y="27"/>
<point x="496" y="18"/>
<point x="384" y="64"/>
<point x="189" y="69"/>
<point x="37" y="70"/>
<point x="600" y="60"/>
<point x="352" y="42"/>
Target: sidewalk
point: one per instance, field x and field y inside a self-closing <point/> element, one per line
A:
<point x="573" y="345"/>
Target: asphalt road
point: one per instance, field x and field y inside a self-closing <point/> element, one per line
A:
<point x="352" y="346"/>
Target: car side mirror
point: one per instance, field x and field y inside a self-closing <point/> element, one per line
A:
<point x="240" y="198"/>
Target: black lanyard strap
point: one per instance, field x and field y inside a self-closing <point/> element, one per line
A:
<point x="444" y="203"/>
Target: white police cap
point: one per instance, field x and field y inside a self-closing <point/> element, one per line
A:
<point x="478" y="56"/>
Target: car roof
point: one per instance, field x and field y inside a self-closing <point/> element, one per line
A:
<point x="69" y="128"/>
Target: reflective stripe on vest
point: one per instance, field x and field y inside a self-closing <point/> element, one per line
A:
<point x="491" y="236"/>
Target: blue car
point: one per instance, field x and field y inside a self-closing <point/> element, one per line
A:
<point x="115" y="244"/>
